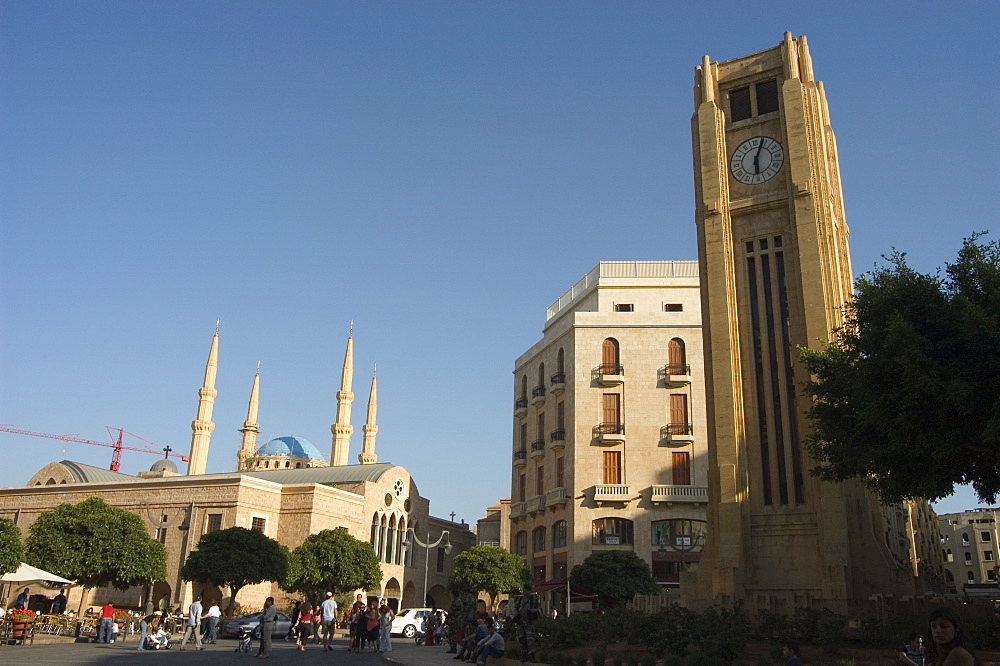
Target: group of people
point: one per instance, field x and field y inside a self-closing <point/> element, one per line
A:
<point x="308" y="621"/>
<point x="370" y="625"/>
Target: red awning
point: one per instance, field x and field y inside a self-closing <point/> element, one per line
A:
<point x="559" y="585"/>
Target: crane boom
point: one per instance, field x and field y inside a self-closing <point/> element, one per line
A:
<point x="116" y="445"/>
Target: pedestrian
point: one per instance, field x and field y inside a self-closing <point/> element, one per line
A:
<point x="292" y="629"/>
<point x="192" y="625"/>
<point x="147" y="625"/>
<point x="317" y="623"/>
<point x="947" y="642"/>
<point x="912" y="653"/>
<point x="328" y="614"/>
<point x="59" y="603"/>
<point x="491" y="646"/>
<point x="385" y="627"/>
<point x="305" y="626"/>
<point x="22" y="600"/>
<point x="107" y="619"/>
<point x="164" y="604"/>
<point x="267" y="628"/>
<point x="791" y="653"/>
<point x="357" y="622"/>
<point x="371" y="627"/>
<point x="212" y="617"/>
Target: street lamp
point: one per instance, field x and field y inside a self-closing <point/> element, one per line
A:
<point x="411" y="538"/>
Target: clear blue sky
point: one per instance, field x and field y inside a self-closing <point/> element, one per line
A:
<point x="439" y="172"/>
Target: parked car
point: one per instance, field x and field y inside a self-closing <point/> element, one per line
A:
<point x="408" y="622"/>
<point x="282" y="624"/>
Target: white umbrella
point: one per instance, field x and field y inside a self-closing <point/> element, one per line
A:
<point x="29" y="574"/>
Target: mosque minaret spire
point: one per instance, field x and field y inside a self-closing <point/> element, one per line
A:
<point x="343" y="429"/>
<point x="202" y="427"/>
<point x="368" y="456"/>
<point x="250" y="427"/>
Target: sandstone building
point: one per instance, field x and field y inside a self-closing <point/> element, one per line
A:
<point x="970" y="548"/>
<point x="283" y="488"/>
<point x="609" y="426"/>
<point x="775" y="270"/>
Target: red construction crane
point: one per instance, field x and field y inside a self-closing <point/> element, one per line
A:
<point x="115" y="444"/>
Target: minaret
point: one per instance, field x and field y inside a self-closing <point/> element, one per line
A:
<point x="250" y="427"/>
<point x="368" y="456"/>
<point x="202" y="427"/>
<point x="343" y="429"/>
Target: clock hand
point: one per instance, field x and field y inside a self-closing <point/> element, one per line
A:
<point x="756" y="158"/>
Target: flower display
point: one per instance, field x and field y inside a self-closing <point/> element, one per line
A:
<point x="21" y="614"/>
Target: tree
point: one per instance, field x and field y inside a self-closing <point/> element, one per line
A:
<point x="614" y="576"/>
<point x="234" y="558"/>
<point x="332" y="561"/>
<point x="11" y="548"/>
<point x="489" y="569"/>
<point x="96" y="544"/>
<point x="905" y="397"/>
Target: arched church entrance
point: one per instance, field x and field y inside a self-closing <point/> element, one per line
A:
<point x="392" y="594"/>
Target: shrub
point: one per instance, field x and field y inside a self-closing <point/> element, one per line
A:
<point x="722" y="633"/>
<point x="632" y="660"/>
<point x="545" y="657"/>
<point x="598" y="656"/>
<point x="648" y="659"/>
<point x="764" y="661"/>
<point x="617" y="661"/>
<point x="673" y="660"/>
<point x="560" y="634"/>
<point x="830" y="630"/>
<point x="671" y="630"/>
<point x="698" y="658"/>
<point x="512" y="650"/>
<point x="580" y="659"/>
<point x="771" y="626"/>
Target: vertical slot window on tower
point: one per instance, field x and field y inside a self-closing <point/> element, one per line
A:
<point x="767" y="96"/>
<point x="739" y="104"/>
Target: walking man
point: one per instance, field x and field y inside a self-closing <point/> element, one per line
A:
<point x="267" y="628"/>
<point x="193" y="624"/>
<point x="329" y="609"/>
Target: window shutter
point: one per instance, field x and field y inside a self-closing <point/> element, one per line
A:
<point x="682" y="468"/>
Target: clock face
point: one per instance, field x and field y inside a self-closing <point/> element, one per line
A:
<point x="757" y="160"/>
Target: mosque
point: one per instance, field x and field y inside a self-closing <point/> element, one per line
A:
<point x="283" y="488"/>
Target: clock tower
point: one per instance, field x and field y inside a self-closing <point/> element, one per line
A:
<point x="775" y="271"/>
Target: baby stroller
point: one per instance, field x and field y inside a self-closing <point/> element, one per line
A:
<point x="158" y="641"/>
<point x="245" y="641"/>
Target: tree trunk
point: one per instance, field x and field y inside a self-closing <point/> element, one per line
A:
<point x="233" y="591"/>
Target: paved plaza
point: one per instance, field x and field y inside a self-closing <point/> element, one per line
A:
<point x="405" y="653"/>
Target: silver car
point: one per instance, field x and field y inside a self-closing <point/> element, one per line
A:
<point x="282" y="625"/>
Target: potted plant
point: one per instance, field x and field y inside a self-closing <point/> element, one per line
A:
<point x="21" y="621"/>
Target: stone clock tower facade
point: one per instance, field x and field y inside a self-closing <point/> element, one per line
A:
<point x="775" y="269"/>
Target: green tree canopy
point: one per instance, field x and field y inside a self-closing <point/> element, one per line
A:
<point x="96" y="544"/>
<point x="11" y="548"/>
<point x="236" y="557"/>
<point x="489" y="569"/>
<point x="615" y="576"/>
<point x="332" y="561"/>
<point x="906" y="397"/>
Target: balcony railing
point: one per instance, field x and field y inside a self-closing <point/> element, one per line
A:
<point x="695" y="494"/>
<point x="609" y="433"/>
<point x="609" y="374"/>
<point x="558" y="383"/>
<point x="536" y="504"/>
<point x="538" y="394"/>
<point x="538" y="448"/>
<point x="675" y="374"/>
<point x="612" y="492"/>
<point x="677" y="434"/>
<point x="520" y="406"/>
<point x="555" y="497"/>
<point x="558" y="438"/>
<point x="518" y="509"/>
<point x="521" y="457"/>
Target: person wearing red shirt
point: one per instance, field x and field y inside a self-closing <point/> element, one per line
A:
<point x="107" y="619"/>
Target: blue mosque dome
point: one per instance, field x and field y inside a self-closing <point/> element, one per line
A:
<point x="296" y="447"/>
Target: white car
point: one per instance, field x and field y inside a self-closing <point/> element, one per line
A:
<point x="408" y="622"/>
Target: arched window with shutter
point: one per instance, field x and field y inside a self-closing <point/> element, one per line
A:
<point x="676" y="357"/>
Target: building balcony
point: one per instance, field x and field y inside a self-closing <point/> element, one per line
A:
<point x="538" y="395"/>
<point x="558" y="384"/>
<point x="609" y="434"/>
<point x="557" y="439"/>
<point x="670" y="494"/>
<point x="677" y="434"/>
<point x="520" y="407"/>
<point x="538" y="449"/>
<point x="518" y="509"/>
<point x="555" y="498"/>
<point x="536" y="504"/>
<point x="520" y="458"/>
<point x="612" y="492"/>
<point x="609" y="374"/>
<point x="675" y="374"/>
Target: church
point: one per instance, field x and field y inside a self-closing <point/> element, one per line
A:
<point x="283" y="487"/>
